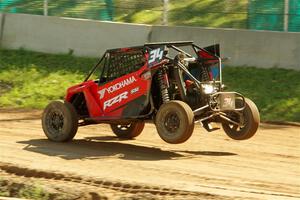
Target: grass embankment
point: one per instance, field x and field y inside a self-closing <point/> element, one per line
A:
<point x="31" y="80"/>
<point x="209" y="13"/>
<point x="276" y="92"/>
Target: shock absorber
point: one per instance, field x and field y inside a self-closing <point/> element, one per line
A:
<point x="204" y="74"/>
<point x="163" y="84"/>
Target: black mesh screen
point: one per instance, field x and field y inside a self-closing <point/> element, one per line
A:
<point x="125" y="63"/>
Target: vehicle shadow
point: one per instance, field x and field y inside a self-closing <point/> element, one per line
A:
<point x="91" y="149"/>
<point x="108" y="147"/>
<point x="209" y="153"/>
<point x="201" y="153"/>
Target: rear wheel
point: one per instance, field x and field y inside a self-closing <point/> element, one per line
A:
<point x="60" y="121"/>
<point x="249" y="119"/>
<point x="175" y="122"/>
<point x="128" y="131"/>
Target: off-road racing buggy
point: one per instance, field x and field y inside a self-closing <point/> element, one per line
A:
<point x="176" y="84"/>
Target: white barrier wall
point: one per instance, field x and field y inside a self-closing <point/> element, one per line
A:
<point x="91" y="38"/>
<point x="244" y="47"/>
<point x="60" y="35"/>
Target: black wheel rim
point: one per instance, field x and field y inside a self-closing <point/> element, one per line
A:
<point x="55" y="122"/>
<point x="124" y="127"/>
<point x="172" y="122"/>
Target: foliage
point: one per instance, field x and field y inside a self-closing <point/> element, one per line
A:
<point x="209" y="13"/>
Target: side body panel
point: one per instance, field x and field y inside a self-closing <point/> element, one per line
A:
<point x="123" y="97"/>
<point x="127" y="95"/>
<point x="120" y="94"/>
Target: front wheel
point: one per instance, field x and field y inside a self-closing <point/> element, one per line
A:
<point x="128" y="131"/>
<point x="175" y="122"/>
<point x="60" y="121"/>
<point x="249" y="118"/>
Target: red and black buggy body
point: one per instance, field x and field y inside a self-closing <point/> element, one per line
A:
<point x="176" y="84"/>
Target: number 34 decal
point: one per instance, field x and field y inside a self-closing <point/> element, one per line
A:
<point x="155" y="56"/>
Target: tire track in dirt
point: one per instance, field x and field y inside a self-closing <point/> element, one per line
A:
<point x="123" y="187"/>
<point x="225" y="182"/>
<point x="130" y="188"/>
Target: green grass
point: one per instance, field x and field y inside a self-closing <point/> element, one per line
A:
<point x="209" y="13"/>
<point x="275" y="91"/>
<point x="33" y="192"/>
<point x="37" y="78"/>
<point x="30" y="191"/>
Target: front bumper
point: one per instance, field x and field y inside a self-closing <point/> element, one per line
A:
<point x="221" y="102"/>
<point x="226" y="101"/>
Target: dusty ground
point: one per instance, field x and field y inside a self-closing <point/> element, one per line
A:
<point x="98" y="165"/>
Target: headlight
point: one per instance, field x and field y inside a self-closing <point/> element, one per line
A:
<point x="208" y="88"/>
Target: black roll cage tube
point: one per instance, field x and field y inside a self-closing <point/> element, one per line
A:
<point x="173" y="45"/>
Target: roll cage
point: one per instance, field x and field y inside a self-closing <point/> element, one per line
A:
<point x="206" y="56"/>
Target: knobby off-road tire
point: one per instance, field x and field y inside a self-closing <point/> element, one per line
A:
<point x="251" y="119"/>
<point x="60" y="121"/>
<point x="128" y="131"/>
<point x="175" y="122"/>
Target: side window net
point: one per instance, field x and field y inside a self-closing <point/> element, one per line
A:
<point x="124" y="63"/>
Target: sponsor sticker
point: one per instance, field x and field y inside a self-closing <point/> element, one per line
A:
<point x="101" y="93"/>
<point x="117" y="99"/>
<point x="146" y="75"/>
<point x="155" y="56"/>
<point x="117" y="86"/>
<point x="227" y="101"/>
<point x="134" y="90"/>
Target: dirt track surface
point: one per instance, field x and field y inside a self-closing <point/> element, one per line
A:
<point x="98" y="165"/>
